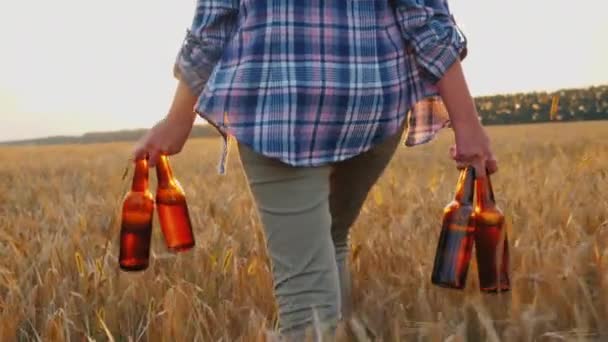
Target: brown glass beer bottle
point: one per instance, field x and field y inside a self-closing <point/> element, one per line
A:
<point x="172" y="209"/>
<point x="136" y="224"/>
<point x="453" y="254"/>
<point x="491" y="243"/>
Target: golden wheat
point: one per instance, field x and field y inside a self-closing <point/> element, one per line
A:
<point x="59" y="277"/>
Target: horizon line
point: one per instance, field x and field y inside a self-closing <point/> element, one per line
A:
<point x="205" y="123"/>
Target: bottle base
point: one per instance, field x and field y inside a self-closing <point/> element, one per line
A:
<point x="133" y="268"/>
<point x="495" y="290"/>
<point x="448" y="286"/>
<point x="181" y="248"/>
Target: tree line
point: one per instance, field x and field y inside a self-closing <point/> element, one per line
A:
<point x="573" y="105"/>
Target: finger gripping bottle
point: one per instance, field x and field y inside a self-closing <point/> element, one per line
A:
<point x="136" y="221"/>
<point x="491" y="243"/>
<point x="172" y="209"/>
<point x="453" y="254"/>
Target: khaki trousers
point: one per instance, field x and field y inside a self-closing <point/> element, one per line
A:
<point x="306" y="214"/>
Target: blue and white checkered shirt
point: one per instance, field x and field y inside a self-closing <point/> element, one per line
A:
<point x="319" y="81"/>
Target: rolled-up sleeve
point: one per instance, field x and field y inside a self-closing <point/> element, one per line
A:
<point x="213" y="26"/>
<point x="430" y="31"/>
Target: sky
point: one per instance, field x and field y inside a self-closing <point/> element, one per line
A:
<point x="73" y="66"/>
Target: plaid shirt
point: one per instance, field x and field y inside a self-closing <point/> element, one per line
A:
<point x="319" y="81"/>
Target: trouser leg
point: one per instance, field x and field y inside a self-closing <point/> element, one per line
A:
<point x="293" y="204"/>
<point x="350" y="182"/>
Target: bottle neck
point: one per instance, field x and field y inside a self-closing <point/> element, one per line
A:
<point x="465" y="186"/>
<point x="164" y="174"/>
<point x="485" y="194"/>
<point x="140" y="176"/>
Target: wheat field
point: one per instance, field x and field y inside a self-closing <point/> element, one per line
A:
<point x="59" y="276"/>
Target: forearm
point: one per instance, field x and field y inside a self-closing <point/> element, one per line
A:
<point x="455" y="94"/>
<point x="183" y="103"/>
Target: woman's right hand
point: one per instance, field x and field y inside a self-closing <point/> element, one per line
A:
<point x="167" y="137"/>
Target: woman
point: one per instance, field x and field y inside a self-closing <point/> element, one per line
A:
<point x="317" y="95"/>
